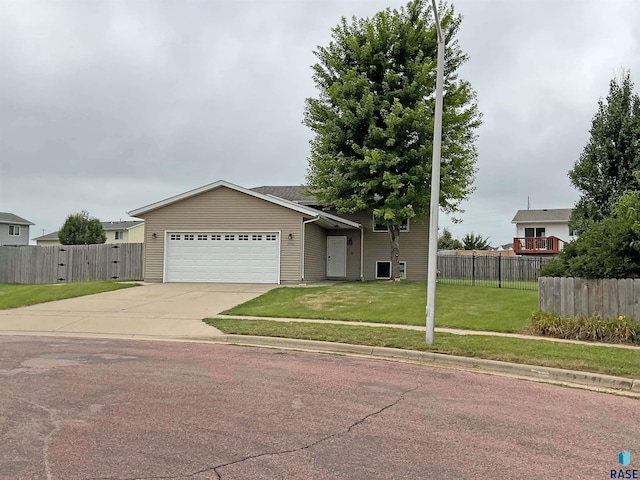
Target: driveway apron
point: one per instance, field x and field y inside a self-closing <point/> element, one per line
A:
<point x="169" y="310"/>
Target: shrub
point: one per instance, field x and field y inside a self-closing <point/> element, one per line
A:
<point x="591" y="329"/>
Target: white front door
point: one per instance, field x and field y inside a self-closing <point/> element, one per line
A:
<point x="336" y="256"/>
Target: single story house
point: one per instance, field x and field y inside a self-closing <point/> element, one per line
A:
<point x="223" y="232"/>
<point x="130" y="231"/>
<point x="542" y="232"/>
<point x="14" y="230"/>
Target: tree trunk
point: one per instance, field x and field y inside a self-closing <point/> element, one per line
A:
<point x="394" y="236"/>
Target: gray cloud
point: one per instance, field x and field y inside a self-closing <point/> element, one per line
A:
<point x="111" y="105"/>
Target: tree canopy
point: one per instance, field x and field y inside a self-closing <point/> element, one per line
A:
<point x="604" y="171"/>
<point x="472" y="241"/>
<point x="374" y="116"/>
<point x="80" y="229"/>
<point x="607" y="249"/>
<point x="447" y="242"/>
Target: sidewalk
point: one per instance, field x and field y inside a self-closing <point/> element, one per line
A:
<point x="454" y="331"/>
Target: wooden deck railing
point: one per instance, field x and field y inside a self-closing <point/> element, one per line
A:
<point x="537" y="245"/>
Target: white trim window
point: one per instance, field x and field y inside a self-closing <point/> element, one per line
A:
<point x="14" y="230"/>
<point x="383" y="270"/>
<point x="404" y="226"/>
<point x="119" y="235"/>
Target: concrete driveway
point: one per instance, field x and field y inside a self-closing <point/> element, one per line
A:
<point x="169" y="310"/>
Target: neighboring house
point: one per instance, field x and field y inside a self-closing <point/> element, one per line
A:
<point x="222" y="232"/>
<point x="542" y="232"/>
<point x="14" y="230"/>
<point x="131" y="231"/>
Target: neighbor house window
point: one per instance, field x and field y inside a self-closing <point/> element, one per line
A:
<point x="119" y="235"/>
<point x="404" y="227"/>
<point x="383" y="270"/>
<point x="14" y="230"/>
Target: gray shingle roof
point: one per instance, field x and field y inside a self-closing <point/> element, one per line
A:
<point x="293" y="193"/>
<point x="121" y="225"/>
<point x="107" y="226"/>
<point x="13" y="219"/>
<point x="551" y="215"/>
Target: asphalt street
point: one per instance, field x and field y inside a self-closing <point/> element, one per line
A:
<point x="133" y="409"/>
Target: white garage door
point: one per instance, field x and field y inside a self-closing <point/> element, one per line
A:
<point x="242" y="257"/>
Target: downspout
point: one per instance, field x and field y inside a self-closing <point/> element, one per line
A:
<point x="361" y="253"/>
<point x="304" y="229"/>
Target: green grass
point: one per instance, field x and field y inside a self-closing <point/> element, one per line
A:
<point x="473" y="308"/>
<point x="606" y="360"/>
<point x="14" y="295"/>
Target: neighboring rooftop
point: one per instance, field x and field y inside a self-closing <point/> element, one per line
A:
<point x="13" y="219"/>
<point x="549" y="215"/>
<point x="298" y="194"/>
<point x="107" y="226"/>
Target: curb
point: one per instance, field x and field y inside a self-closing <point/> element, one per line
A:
<point x="533" y="372"/>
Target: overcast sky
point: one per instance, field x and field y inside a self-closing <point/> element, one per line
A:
<point x="107" y="106"/>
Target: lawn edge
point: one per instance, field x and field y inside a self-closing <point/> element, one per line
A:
<point x="590" y="380"/>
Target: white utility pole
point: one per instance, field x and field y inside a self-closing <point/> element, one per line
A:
<point x="435" y="187"/>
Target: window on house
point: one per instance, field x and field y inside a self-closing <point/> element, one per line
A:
<point x="119" y="235"/>
<point x="404" y="227"/>
<point x="383" y="270"/>
<point x="571" y="232"/>
<point x="14" y="230"/>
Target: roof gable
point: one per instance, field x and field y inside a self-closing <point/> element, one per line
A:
<point x="6" y="217"/>
<point x="546" y="215"/>
<point x="330" y="221"/>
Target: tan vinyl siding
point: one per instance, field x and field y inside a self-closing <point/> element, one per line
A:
<point x="414" y="246"/>
<point x="223" y="209"/>
<point x="315" y="251"/>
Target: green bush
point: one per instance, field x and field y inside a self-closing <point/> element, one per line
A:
<point x="591" y="329"/>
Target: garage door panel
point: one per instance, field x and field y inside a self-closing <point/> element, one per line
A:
<point x="222" y="257"/>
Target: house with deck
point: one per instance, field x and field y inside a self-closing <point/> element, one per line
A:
<point x="542" y="232"/>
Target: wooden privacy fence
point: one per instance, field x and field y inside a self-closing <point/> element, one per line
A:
<point x="570" y="297"/>
<point x="491" y="270"/>
<point x="71" y="263"/>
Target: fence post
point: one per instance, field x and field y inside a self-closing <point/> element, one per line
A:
<point x="499" y="270"/>
<point x="473" y="269"/>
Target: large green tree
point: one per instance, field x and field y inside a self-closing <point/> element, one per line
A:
<point x="81" y="229"/>
<point x="373" y="119"/>
<point x="604" y="171"/>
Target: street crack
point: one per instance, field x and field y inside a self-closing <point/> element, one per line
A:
<point x="215" y="469"/>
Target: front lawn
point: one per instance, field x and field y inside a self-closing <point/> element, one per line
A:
<point x="14" y="295"/>
<point x="606" y="360"/>
<point x="473" y="308"/>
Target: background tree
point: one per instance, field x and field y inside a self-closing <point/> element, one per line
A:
<point x="605" y="168"/>
<point x="608" y="249"/>
<point x="80" y="229"/>
<point x="447" y="242"/>
<point x="471" y="241"/>
<point x="373" y="119"/>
